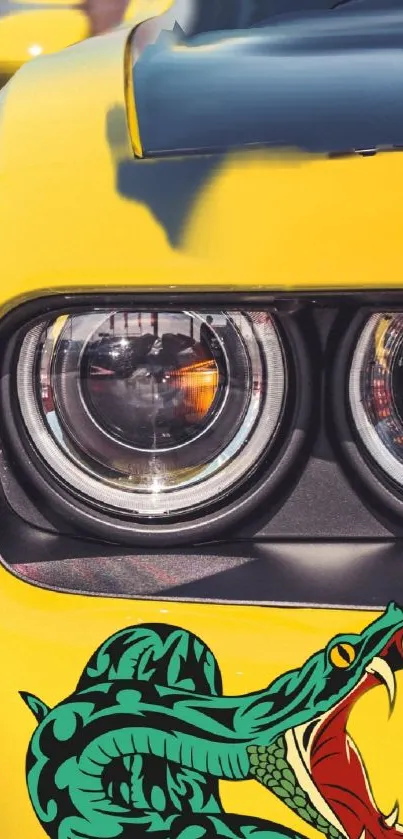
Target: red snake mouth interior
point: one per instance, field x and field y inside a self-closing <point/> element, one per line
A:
<point x="336" y="766"/>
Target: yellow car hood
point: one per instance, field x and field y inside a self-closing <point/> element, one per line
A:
<point x="250" y="221"/>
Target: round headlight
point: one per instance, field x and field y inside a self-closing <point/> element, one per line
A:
<point x="376" y="392"/>
<point x="152" y="415"/>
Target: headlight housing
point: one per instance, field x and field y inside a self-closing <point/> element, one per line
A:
<point x="376" y="392"/>
<point x="366" y="409"/>
<point x="151" y="414"/>
<point x="158" y="424"/>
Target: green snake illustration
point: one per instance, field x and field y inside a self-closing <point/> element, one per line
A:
<point x="140" y="746"/>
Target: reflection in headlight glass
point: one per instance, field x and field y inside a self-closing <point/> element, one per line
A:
<point x="376" y="391"/>
<point x="152" y="413"/>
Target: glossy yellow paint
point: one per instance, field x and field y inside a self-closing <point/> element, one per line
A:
<point x="41" y="27"/>
<point x="46" y="639"/>
<point x="261" y="222"/>
<point x="30" y="31"/>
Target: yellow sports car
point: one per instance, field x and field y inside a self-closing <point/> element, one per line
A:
<point x="201" y="425"/>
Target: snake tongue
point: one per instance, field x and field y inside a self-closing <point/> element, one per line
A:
<point x="338" y="771"/>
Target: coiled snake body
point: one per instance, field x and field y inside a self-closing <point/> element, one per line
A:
<point x="140" y="746"/>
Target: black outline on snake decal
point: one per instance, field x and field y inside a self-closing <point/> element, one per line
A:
<point x="139" y="747"/>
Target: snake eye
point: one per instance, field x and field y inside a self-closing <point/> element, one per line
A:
<point x="342" y="655"/>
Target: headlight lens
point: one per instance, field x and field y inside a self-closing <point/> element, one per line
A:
<point x="152" y="414"/>
<point x="376" y="392"/>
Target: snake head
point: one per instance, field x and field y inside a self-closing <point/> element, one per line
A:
<point x="316" y="767"/>
<point x="39" y="709"/>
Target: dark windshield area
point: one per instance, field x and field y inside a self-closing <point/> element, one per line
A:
<point x="213" y="15"/>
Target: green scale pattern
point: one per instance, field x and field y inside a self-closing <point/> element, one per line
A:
<point x="269" y="766"/>
<point x="140" y="746"/>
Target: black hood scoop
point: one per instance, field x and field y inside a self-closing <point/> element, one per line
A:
<point x="329" y="83"/>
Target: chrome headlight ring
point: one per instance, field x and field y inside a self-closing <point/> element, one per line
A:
<point x="365" y="417"/>
<point x="247" y="390"/>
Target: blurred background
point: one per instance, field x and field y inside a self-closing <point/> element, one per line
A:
<point x="29" y="29"/>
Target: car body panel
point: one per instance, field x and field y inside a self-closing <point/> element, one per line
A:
<point x="79" y="212"/>
<point x="235" y="215"/>
<point x="47" y="637"/>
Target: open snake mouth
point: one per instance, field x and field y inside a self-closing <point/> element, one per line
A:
<point x="318" y="771"/>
